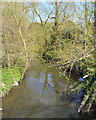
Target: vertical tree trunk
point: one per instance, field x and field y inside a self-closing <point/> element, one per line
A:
<point x="56" y="16"/>
<point x="95" y="25"/>
<point x="8" y="58"/>
<point x="55" y="28"/>
<point x="24" y="43"/>
<point x="95" y="35"/>
<point x="86" y="23"/>
<point x="86" y="17"/>
<point x="27" y="60"/>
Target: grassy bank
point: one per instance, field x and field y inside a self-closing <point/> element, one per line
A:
<point x="10" y="76"/>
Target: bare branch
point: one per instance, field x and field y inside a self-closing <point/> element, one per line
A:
<point x="48" y="18"/>
<point x="63" y="9"/>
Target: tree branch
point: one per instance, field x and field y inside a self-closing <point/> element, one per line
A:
<point x="38" y="16"/>
<point x="63" y="9"/>
<point x="47" y="18"/>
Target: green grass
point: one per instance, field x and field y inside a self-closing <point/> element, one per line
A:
<point x="9" y="76"/>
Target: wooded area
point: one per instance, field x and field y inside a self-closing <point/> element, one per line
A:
<point x="61" y="33"/>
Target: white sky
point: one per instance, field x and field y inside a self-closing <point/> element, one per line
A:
<point x="47" y="0"/>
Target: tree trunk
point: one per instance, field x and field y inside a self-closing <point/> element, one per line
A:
<point x="95" y="35"/>
<point x="55" y="28"/>
<point x="86" y="24"/>
<point x="95" y="25"/>
<point x="8" y="58"/>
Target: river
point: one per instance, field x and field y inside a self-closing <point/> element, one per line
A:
<point x="41" y="95"/>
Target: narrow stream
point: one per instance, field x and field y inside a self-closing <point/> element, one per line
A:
<point x="40" y="95"/>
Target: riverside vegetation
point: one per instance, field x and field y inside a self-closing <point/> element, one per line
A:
<point x="61" y="33"/>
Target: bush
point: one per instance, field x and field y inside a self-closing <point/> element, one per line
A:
<point x="89" y="85"/>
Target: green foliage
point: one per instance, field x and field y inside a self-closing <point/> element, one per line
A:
<point x="57" y="38"/>
<point x="50" y="54"/>
<point x="87" y="66"/>
<point x="9" y="76"/>
<point x="89" y="84"/>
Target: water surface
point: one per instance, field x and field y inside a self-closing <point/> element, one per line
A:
<point x="40" y="95"/>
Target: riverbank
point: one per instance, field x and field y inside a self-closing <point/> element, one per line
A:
<point x="39" y="93"/>
<point x="86" y="68"/>
<point x="11" y="77"/>
<point x="40" y="80"/>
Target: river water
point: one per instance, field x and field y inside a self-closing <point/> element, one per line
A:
<point x="40" y="95"/>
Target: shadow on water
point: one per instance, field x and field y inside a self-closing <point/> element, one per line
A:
<point x="40" y="95"/>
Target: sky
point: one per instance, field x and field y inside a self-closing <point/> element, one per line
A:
<point x="46" y="7"/>
<point x="47" y="0"/>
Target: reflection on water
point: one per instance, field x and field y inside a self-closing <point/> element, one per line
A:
<point x="40" y="95"/>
